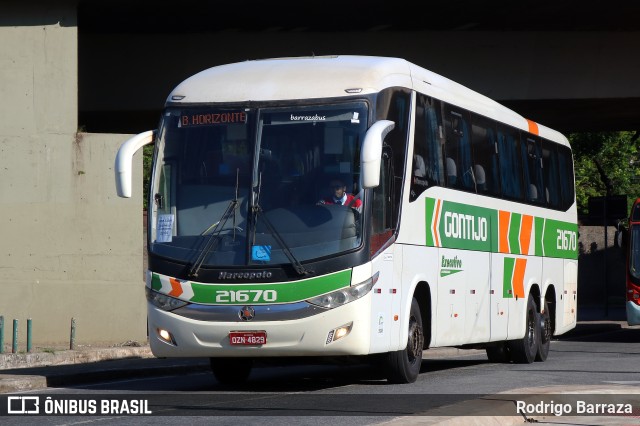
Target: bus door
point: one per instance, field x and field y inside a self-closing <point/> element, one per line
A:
<point x="386" y="261"/>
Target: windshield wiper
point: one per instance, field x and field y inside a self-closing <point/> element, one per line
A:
<point x="257" y="211"/>
<point x="218" y="226"/>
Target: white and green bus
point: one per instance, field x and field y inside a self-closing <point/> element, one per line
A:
<point x="459" y="227"/>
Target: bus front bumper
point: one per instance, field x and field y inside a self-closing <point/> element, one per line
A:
<point x="633" y="313"/>
<point x="309" y="336"/>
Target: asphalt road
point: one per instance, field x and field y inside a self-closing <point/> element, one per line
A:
<point x="602" y="362"/>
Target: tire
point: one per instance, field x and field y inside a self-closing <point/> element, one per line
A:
<point x="498" y="352"/>
<point x="229" y="371"/>
<point x="404" y="366"/>
<point x="523" y="351"/>
<point x="544" y="334"/>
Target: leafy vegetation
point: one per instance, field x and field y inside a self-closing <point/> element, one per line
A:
<point x="146" y="174"/>
<point x="606" y="161"/>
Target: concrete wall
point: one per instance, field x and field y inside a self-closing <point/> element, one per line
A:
<point x="69" y="247"/>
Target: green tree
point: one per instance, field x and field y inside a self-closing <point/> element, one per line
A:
<point x="605" y="159"/>
<point x="147" y="159"/>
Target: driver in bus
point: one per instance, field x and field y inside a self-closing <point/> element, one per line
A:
<point x="341" y="196"/>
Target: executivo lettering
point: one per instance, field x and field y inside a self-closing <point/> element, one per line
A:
<point x="450" y="266"/>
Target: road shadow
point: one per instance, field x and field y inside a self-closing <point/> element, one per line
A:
<point x="612" y="332"/>
<point x="264" y="377"/>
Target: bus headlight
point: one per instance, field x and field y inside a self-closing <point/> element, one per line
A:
<point x="344" y="295"/>
<point x="162" y="301"/>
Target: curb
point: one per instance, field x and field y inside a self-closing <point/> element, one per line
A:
<point x="23" y="372"/>
<point x="69" y="357"/>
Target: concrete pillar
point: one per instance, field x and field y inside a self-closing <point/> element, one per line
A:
<point x="65" y="250"/>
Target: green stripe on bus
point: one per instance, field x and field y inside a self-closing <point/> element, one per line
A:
<point x="560" y="239"/>
<point x="539" y="224"/>
<point x="514" y="234"/>
<point x="155" y="282"/>
<point x="430" y="209"/>
<point x="509" y="265"/>
<point x="462" y="226"/>
<point x="229" y="294"/>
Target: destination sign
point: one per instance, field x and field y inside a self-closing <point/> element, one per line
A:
<point x="212" y="118"/>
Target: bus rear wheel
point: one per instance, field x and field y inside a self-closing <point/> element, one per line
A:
<point x="404" y="366"/>
<point x="524" y="351"/>
<point x="545" y="332"/>
<point x="229" y="371"/>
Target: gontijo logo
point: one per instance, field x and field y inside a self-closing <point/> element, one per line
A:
<point x="465" y="226"/>
<point x="462" y="226"/>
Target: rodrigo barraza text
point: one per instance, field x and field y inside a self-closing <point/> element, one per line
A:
<point x="577" y="407"/>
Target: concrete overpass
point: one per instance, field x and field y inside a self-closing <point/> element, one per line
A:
<point x="570" y="66"/>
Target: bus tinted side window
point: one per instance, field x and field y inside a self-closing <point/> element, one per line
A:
<point x="551" y="174"/>
<point x="565" y="161"/>
<point x="458" y="165"/>
<point x="485" y="155"/>
<point x="427" y="166"/>
<point x="531" y="158"/>
<point x="510" y="163"/>
<point x="394" y="104"/>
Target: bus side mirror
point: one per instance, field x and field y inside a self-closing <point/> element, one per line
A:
<point x="371" y="153"/>
<point x="124" y="160"/>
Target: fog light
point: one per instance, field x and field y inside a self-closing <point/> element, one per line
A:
<point x="166" y="336"/>
<point x="339" y="333"/>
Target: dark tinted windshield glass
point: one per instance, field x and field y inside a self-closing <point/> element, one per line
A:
<point x="221" y="174"/>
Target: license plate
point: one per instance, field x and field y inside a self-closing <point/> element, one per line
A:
<point x="247" y="338"/>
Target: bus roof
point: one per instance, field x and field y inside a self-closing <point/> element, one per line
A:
<point x="334" y="76"/>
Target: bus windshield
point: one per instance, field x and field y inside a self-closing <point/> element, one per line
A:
<point x="242" y="186"/>
<point x="634" y="251"/>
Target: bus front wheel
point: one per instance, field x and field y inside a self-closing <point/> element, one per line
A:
<point x="229" y="371"/>
<point x="404" y="366"/>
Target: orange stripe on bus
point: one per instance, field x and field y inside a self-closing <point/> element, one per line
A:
<point x="435" y="224"/>
<point x="518" y="277"/>
<point x="176" y="287"/>
<point x="503" y="228"/>
<point x="525" y="233"/>
<point x="533" y="127"/>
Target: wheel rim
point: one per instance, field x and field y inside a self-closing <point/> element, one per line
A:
<point x="546" y="328"/>
<point x="416" y="340"/>
<point x="531" y="329"/>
